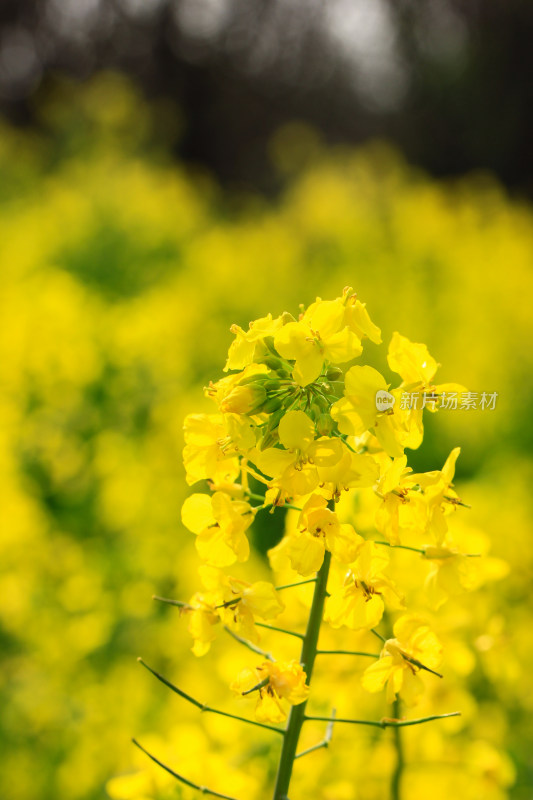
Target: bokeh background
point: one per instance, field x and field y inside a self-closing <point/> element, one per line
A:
<point x="171" y="167"/>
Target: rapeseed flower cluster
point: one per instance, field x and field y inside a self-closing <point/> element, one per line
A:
<point x="298" y="424"/>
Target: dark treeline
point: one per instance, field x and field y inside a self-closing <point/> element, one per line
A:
<point x="450" y="81"/>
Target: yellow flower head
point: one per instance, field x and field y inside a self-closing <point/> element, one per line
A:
<point x="319" y="530"/>
<point x="220" y="524"/>
<point x="414" y="647"/>
<point x="321" y="335"/>
<point x="279" y="683"/>
<point x="246" y="344"/>
<point x="359" y="603"/>
<point x="294" y="469"/>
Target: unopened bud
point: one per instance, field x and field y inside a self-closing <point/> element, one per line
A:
<point x="334" y="374"/>
<point x="268" y="341"/>
<point x="256" y="378"/>
<point x="272" y="404"/>
<point x="324" y="425"/>
<point x="336" y="388"/>
<point x="243" y="399"/>
<point x="274" y="419"/>
<point x="272" y="362"/>
<point x="287" y="317"/>
<point x="272" y="385"/>
<point x="269" y="440"/>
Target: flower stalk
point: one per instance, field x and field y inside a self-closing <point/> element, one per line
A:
<point x="307" y="659"/>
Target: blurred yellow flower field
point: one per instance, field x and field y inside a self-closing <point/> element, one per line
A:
<point x="121" y="274"/>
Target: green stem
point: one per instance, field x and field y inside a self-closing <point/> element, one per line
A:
<point x="401" y="547"/>
<point x="346" y="653"/>
<point x="385" y="722"/>
<point x="396" y="778"/>
<point x="249" y="645"/>
<point x="178" y="603"/>
<point x="292" y="585"/>
<point x="180" y="778"/>
<point x="279" y="630"/>
<point x="202" y="706"/>
<point x="307" y="659"/>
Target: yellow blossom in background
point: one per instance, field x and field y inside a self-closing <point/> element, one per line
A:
<point x="112" y="322"/>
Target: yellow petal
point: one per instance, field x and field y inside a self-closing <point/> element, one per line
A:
<point x="345" y="543"/>
<point x="306" y="553"/>
<point x="241" y="351"/>
<point x="376" y="675"/>
<point x="197" y="513"/>
<point x="246" y="680"/>
<point x="448" y="470"/>
<point x="298" y="481"/>
<point x="296" y="431"/>
<point x="412" y="687"/>
<point x="325" y="452"/>
<point x="342" y="346"/>
<point x="269" y="708"/>
<point x="358" y="320"/>
<point x="306" y="370"/>
<point x="325" y="317"/>
<point x="215" y="549"/>
<point x="273" y="461"/>
<point x="263" y="600"/>
<point x="292" y="341"/>
<point x="350" y="607"/>
<point x="411" y="360"/>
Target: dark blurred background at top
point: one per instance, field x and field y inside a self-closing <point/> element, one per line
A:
<point x="449" y="81"/>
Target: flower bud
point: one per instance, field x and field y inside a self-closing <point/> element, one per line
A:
<point x="272" y="385"/>
<point x="336" y="388"/>
<point x="272" y="362"/>
<point x="268" y="341"/>
<point x="324" y="425"/>
<point x="334" y="374"/>
<point x="256" y="378"/>
<point x="272" y="404"/>
<point x="287" y="317"/>
<point x="269" y="440"/>
<point x="243" y="399"/>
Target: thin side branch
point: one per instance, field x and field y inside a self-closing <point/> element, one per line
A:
<point x="178" y="603"/>
<point x="204" y="707"/>
<point x="298" y="583"/>
<point x="249" y="645"/>
<point x="279" y="630"/>
<point x="180" y="778"/>
<point x="325" y="741"/>
<point x="422" y="551"/>
<point x="386" y="722"/>
<point x="401" y="547"/>
<point x="346" y="653"/>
